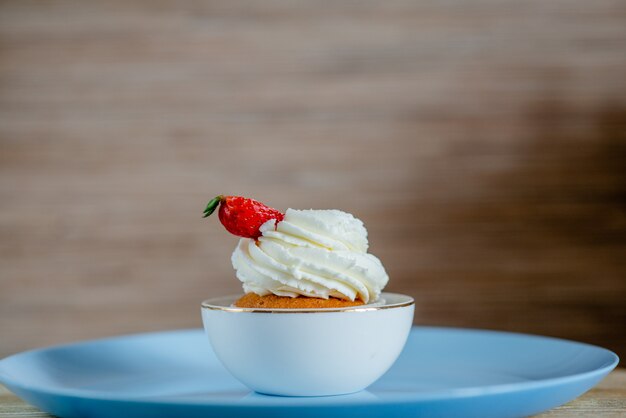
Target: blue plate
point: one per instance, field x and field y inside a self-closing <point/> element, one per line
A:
<point x="443" y="372"/>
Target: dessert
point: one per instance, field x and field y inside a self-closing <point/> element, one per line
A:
<point x="275" y="338"/>
<point x="299" y="259"/>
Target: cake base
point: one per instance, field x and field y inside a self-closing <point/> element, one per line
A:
<point x="252" y="300"/>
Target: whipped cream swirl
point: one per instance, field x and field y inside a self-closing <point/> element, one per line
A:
<point x="316" y="253"/>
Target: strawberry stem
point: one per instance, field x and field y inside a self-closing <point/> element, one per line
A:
<point x="212" y="205"/>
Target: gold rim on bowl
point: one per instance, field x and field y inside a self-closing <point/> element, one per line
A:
<point x="215" y="305"/>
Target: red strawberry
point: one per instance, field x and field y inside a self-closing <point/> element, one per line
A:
<point x="242" y="216"/>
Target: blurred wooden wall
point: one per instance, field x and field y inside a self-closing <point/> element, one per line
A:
<point x="482" y="143"/>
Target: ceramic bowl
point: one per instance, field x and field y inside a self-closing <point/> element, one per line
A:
<point x="308" y="352"/>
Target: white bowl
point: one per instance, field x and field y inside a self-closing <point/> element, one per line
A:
<point x="308" y="352"/>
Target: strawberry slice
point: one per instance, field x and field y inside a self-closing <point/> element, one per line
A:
<point x="242" y="216"/>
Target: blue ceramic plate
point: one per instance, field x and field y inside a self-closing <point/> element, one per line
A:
<point x="442" y="372"/>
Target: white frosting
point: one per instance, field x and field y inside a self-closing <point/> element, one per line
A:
<point x="318" y="253"/>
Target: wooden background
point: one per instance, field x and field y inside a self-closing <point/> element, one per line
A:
<point x="483" y="143"/>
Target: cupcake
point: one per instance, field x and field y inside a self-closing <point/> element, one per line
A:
<point x="305" y="274"/>
<point x="300" y="258"/>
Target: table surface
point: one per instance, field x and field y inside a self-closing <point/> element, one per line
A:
<point x="608" y="399"/>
